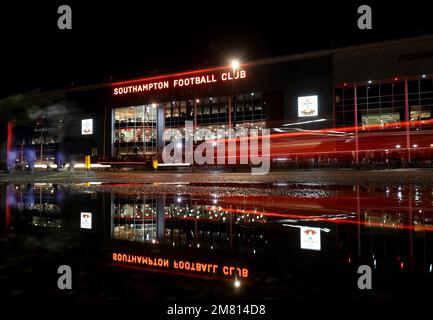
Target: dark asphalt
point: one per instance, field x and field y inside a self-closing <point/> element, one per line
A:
<point x="393" y="177"/>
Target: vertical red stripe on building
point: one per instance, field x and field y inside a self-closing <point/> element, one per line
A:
<point x="9" y="138"/>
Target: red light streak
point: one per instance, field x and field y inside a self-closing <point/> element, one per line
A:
<point x="325" y="219"/>
<point x="330" y="132"/>
<point x="9" y="138"/>
<point x="348" y="129"/>
<point x="328" y="141"/>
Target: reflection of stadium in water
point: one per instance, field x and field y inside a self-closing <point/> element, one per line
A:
<point x="38" y="204"/>
<point x="177" y="220"/>
<point x="382" y="226"/>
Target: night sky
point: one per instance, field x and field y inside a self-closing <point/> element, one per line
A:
<point x="132" y="39"/>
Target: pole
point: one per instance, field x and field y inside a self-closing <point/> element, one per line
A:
<point x="41" y="143"/>
<point x="105" y="133"/>
<point x="22" y="155"/>
<point x="358" y="218"/>
<point x="356" y="125"/>
<point x="406" y="111"/>
<point x="87" y="163"/>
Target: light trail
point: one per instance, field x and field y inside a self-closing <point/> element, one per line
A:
<point x="325" y="219"/>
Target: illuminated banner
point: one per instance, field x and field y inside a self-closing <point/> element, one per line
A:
<point x="177" y="81"/>
<point x="310" y="238"/>
<point x="86" y="220"/>
<point x="180" y="265"/>
<point x="308" y="106"/>
<point x="87" y="126"/>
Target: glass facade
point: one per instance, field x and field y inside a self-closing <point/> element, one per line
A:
<point x="393" y="120"/>
<point x="381" y="106"/>
<point x="420" y="100"/>
<point x="134" y="131"/>
<point x="212" y="113"/>
<point x="134" y="219"/>
<point x="184" y="223"/>
<point x="135" y="128"/>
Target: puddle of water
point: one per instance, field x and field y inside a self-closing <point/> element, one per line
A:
<point x="299" y="243"/>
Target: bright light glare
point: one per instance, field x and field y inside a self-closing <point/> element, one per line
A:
<point x="235" y="64"/>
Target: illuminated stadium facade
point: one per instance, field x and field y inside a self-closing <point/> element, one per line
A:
<point x="370" y="104"/>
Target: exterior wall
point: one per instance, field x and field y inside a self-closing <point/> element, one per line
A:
<point x="90" y="105"/>
<point x="286" y="81"/>
<point x="403" y="58"/>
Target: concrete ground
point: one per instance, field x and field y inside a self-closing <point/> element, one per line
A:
<point x="391" y="177"/>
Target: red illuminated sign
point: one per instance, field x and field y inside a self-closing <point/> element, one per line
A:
<point x="181" y="265"/>
<point x="182" y="80"/>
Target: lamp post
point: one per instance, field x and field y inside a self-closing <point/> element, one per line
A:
<point x="235" y="65"/>
<point x="41" y="146"/>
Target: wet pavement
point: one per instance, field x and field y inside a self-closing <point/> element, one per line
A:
<point x="394" y="177"/>
<point x="194" y="236"/>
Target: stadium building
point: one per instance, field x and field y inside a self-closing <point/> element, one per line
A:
<point x="367" y="104"/>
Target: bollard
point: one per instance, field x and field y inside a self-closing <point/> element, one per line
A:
<point x="155" y="164"/>
<point x="87" y="164"/>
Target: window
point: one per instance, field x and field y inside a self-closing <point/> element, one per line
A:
<point x="206" y="109"/>
<point x="344" y="107"/>
<point x="183" y="109"/>
<point x="176" y="111"/>
<point x="199" y="109"/>
<point x="257" y="101"/>
<point x="214" y="107"/>
<point x="248" y="103"/>
<point x="168" y="109"/>
<point x="240" y="103"/>
<point x="420" y="99"/>
<point x="190" y="109"/>
<point x="135" y="130"/>
<point x="380" y="106"/>
<point x="223" y="107"/>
